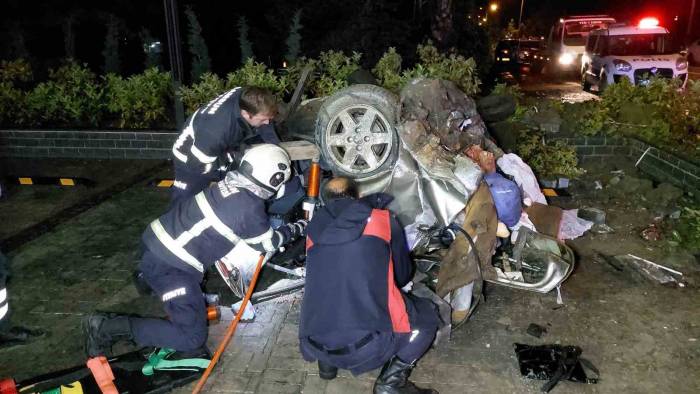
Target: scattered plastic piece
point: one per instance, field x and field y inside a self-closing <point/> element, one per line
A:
<point x="554" y="363"/>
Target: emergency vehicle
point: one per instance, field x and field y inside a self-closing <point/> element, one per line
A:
<point x="637" y="53"/>
<point x="567" y="40"/>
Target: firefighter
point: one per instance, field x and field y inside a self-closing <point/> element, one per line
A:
<point x="215" y="136"/>
<point x="354" y="315"/>
<point x="183" y="243"/>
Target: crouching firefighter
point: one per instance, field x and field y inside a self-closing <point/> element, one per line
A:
<point x="183" y="243"/>
<point x="354" y="315"/>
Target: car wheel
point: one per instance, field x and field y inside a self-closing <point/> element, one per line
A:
<point x="356" y="133"/>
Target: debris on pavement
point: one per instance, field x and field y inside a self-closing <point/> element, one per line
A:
<point x="648" y="269"/>
<point x="595" y="215"/>
<point x="652" y="233"/>
<point x="554" y="363"/>
<point x="536" y="330"/>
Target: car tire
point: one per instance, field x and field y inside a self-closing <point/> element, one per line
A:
<point x="356" y="131"/>
<point x="496" y="107"/>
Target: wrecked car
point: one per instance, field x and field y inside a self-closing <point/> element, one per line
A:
<point x="411" y="147"/>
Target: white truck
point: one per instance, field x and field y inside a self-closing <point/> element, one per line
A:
<point x="637" y="53"/>
<point x="567" y="39"/>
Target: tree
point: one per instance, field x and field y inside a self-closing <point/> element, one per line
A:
<point x="294" y="38"/>
<point x="69" y="36"/>
<point x="246" y="45"/>
<point x="442" y="22"/>
<point x="198" y="48"/>
<point x="111" y="50"/>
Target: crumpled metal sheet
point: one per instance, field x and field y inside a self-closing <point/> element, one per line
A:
<point x="430" y="187"/>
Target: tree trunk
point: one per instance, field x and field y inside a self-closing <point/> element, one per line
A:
<point x="442" y="22"/>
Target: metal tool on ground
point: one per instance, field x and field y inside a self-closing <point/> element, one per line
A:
<point x="232" y="328"/>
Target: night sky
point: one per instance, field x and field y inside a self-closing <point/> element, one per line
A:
<point x="327" y="24"/>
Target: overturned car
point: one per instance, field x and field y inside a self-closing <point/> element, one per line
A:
<point x="413" y="148"/>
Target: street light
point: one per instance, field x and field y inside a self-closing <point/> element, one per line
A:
<point x="493" y="7"/>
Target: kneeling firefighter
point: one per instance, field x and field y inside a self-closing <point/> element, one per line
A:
<point x="354" y="315"/>
<point x="183" y="243"/>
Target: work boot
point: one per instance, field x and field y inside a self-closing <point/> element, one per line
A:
<point x="394" y="379"/>
<point x="326" y="371"/>
<point x="102" y="330"/>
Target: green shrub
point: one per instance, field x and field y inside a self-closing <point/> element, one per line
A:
<point x="70" y="98"/>
<point x="251" y="74"/>
<point x="547" y="158"/>
<point x="199" y="93"/>
<point x="508" y="90"/>
<point x="334" y="68"/>
<point x="257" y="74"/>
<point x="688" y="229"/>
<point x="140" y="101"/>
<point x="432" y="64"/>
<point x="388" y="71"/>
<point x="584" y="118"/>
<point x="11" y="96"/>
<point x="455" y="68"/>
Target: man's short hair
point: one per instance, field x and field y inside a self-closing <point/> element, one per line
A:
<point x="340" y="187"/>
<point x="256" y="100"/>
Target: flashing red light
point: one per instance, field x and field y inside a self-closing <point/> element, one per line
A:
<point x="648" y="23"/>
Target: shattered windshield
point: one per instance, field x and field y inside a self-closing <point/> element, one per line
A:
<point x="638" y="44"/>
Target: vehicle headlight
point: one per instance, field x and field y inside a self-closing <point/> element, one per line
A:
<point x="566" y="59"/>
<point x="681" y="64"/>
<point x="621" y="65"/>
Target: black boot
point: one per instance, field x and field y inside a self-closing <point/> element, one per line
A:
<point x="326" y="371"/>
<point x="102" y="330"/>
<point x="394" y="379"/>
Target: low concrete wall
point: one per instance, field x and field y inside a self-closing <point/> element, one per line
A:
<point x="148" y="144"/>
<point x="660" y="165"/>
<point x="87" y="144"/>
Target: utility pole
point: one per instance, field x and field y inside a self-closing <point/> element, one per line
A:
<point x="689" y="30"/>
<point x="172" y="27"/>
<point x="520" y="19"/>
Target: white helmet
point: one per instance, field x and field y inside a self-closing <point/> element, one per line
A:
<point x="267" y="165"/>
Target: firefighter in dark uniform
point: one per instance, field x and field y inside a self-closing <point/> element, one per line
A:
<point x="183" y="243"/>
<point x="354" y="314"/>
<point x="214" y="134"/>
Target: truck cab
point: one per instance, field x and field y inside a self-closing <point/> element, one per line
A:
<point x="637" y="52"/>
<point x="567" y="40"/>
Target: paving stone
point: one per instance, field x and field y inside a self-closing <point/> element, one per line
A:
<point x="293" y="363"/>
<point x="313" y="384"/>
<point x="341" y="385"/>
